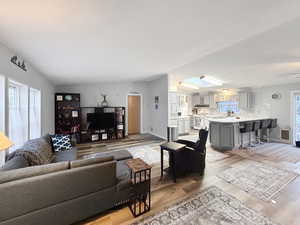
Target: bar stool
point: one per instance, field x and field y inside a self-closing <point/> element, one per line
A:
<point x="256" y="129"/>
<point x="272" y="125"/>
<point x="265" y="126"/>
<point x="246" y="127"/>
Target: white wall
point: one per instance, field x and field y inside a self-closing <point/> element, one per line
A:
<point x="280" y="109"/>
<point x="116" y="93"/>
<point x="34" y="79"/>
<point x="153" y="121"/>
<point x="158" y="117"/>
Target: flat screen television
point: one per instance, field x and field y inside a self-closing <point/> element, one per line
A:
<point x="99" y="121"/>
<point x="105" y="120"/>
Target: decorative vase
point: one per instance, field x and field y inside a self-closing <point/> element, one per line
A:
<point x="104" y="102"/>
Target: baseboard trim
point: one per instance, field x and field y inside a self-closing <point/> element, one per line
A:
<point x="154" y="134"/>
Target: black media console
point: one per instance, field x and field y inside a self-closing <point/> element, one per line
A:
<point x="102" y="123"/>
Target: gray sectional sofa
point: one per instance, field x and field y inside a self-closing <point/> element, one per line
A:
<point x="41" y="187"/>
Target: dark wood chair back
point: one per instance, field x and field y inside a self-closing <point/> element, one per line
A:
<point x="201" y="143"/>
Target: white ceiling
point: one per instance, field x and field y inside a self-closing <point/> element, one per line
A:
<point x="270" y="58"/>
<point x="73" y="41"/>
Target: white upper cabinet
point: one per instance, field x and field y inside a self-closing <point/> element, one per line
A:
<point x="195" y="99"/>
<point x="213" y="101"/>
<point x="206" y="100"/>
<point x="246" y="100"/>
<point x="179" y="102"/>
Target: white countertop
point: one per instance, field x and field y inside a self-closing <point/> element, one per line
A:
<point x="235" y="120"/>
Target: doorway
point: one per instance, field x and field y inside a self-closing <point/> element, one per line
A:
<point x="134" y="114"/>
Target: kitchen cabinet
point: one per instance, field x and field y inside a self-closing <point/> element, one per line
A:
<point x="213" y="101"/>
<point x="197" y="122"/>
<point x="224" y="136"/>
<point x="206" y="100"/>
<point x="196" y="99"/>
<point x="184" y="125"/>
<point x="246" y="100"/>
<point x="173" y="105"/>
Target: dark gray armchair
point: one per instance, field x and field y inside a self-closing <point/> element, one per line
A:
<point x="192" y="158"/>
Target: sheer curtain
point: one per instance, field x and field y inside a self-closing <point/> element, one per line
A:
<point x="18" y="114"/>
<point x="34" y="113"/>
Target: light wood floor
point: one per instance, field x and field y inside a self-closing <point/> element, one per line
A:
<point x="284" y="211"/>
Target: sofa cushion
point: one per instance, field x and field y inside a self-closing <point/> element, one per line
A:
<point x="66" y="155"/>
<point x="34" y="193"/>
<point x="17" y="174"/>
<point x="61" y="142"/>
<point x="123" y="175"/>
<point x="15" y="163"/>
<point x="89" y="161"/>
<point x="36" y="151"/>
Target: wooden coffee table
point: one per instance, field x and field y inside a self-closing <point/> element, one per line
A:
<point x="140" y="199"/>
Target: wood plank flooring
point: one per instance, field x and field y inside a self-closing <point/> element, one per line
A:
<point x="284" y="210"/>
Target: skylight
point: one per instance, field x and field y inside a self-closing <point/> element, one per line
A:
<point x="203" y="81"/>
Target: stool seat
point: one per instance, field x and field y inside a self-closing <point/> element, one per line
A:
<point x="246" y="127"/>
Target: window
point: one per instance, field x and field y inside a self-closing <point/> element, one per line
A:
<point x="17" y="114"/>
<point x="228" y="106"/>
<point x="34" y="113"/>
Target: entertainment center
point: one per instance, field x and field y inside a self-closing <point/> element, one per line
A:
<point x="87" y="124"/>
<point x="102" y="123"/>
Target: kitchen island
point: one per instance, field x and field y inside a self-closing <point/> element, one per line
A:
<point x="224" y="133"/>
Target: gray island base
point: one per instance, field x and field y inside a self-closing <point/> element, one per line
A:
<point x="224" y="134"/>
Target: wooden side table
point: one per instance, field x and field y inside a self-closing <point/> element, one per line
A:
<point x="140" y="199"/>
<point x="171" y="147"/>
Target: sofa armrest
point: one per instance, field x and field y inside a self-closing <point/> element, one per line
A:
<point x="15" y="163"/>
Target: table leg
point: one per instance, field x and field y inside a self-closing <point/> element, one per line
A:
<point x="173" y="166"/>
<point x="161" y="163"/>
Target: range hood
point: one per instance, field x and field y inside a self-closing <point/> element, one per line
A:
<point x="201" y="106"/>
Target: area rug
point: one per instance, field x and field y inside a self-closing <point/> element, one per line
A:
<point x="260" y="180"/>
<point x="85" y="150"/>
<point x="211" y="206"/>
<point x="149" y="153"/>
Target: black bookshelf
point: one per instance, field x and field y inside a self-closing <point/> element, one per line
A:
<point x="88" y="134"/>
<point x="67" y="113"/>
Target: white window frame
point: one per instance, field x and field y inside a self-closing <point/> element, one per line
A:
<point x="22" y="107"/>
<point x="37" y="107"/>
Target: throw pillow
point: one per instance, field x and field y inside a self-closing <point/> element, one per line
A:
<point x="61" y="142"/>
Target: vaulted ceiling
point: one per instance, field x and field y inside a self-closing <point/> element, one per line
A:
<point x="93" y="40"/>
